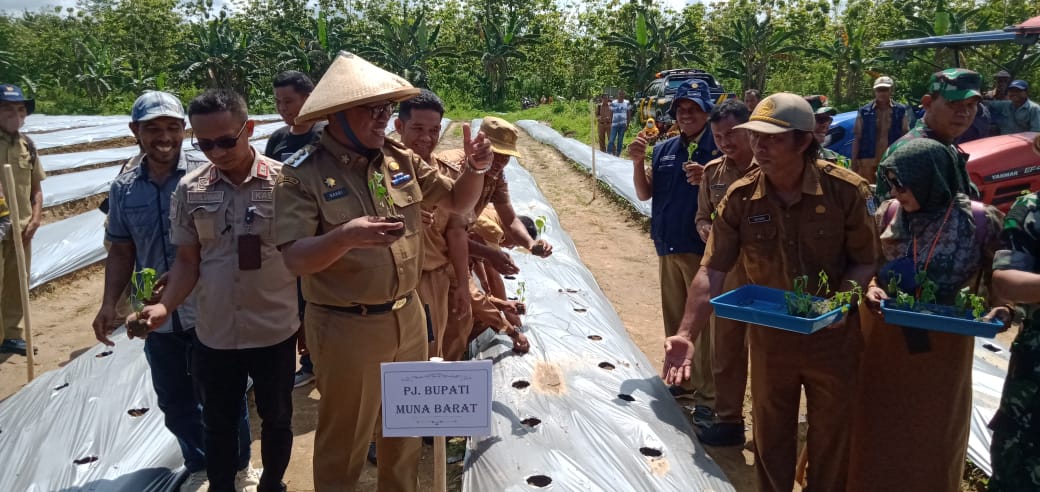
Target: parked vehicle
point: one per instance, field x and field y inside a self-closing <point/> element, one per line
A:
<point x="1005" y="166"/>
<point x="654" y="100"/>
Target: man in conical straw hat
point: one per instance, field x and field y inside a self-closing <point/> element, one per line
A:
<point x="347" y="220"/>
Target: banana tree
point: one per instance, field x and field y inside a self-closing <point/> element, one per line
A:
<point x="407" y="45"/>
<point x="218" y="55"/>
<point x="647" y="46"/>
<point x="750" y="45"/>
<point x="500" y="47"/>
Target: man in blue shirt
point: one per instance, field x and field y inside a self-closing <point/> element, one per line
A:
<point x="139" y="231"/>
<point x="674" y="182"/>
<point x="1016" y="114"/>
<point x="620" y="110"/>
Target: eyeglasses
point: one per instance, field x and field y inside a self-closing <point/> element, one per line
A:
<point x="206" y="145"/>
<point x="894" y="182"/>
<point x="381" y="111"/>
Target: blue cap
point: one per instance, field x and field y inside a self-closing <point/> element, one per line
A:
<point x="156" y="104"/>
<point x="13" y="93"/>
<point x="1019" y="84"/>
<point x="692" y="90"/>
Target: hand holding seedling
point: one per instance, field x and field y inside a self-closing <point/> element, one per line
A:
<point x="637" y="150"/>
<point x="541" y="248"/>
<point x="369" y="232"/>
<point x="152" y="316"/>
<point x="694" y="173"/>
<point x="873" y="298"/>
<point x="503" y="263"/>
<point x="678" y="354"/>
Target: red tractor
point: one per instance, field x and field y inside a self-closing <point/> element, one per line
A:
<point x="1004" y="167"/>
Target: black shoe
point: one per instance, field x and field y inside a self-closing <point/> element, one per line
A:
<point x="372" y="453"/>
<point x="678" y="392"/>
<point x="13" y="346"/>
<point x="721" y="434"/>
<point x="703" y="416"/>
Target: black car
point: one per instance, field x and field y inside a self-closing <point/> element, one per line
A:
<point x="653" y="102"/>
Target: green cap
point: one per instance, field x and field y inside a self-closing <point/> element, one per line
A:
<point x="955" y="84"/>
<point x="819" y="105"/>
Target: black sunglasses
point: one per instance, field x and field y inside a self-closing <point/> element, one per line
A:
<point x="206" y="145"/>
<point x="894" y="182"/>
<point x="381" y="111"/>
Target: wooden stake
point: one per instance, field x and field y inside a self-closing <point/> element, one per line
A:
<point x="23" y="274"/>
<point x="440" y="456"/>
<point x="595" y="145"/>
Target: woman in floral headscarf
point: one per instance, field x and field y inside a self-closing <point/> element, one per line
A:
<point x="911" y="422"/>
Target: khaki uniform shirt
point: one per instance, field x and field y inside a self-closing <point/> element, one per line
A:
<point x="495" y="190"/>
<point x="237" y="309"/>
<point x="20" y="152"/>
<point x="719" y="174"/>
<point x="435" y="245"/>
<point x="326" y="185"/>
<point x="829" y="228"/>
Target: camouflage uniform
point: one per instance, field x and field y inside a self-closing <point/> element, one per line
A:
<point x="834" y="157"/>
<point x="922" y="131"/>
<point x="1015" y="448"/>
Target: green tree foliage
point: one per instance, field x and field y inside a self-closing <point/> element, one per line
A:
<point x="99" y="55"/>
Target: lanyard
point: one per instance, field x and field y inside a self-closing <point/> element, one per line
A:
<point x="935" y="241"/>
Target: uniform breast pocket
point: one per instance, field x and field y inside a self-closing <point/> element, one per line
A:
<point x="210" y="221"/>
<point x="142" y="219"/>
<point x="759" y="239"/>
<point x="263" y="221"/>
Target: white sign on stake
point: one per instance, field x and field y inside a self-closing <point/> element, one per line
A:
<point x="436" y="398"/>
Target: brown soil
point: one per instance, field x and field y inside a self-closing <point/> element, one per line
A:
<point x="610" y="237"/>
<point x="83" y="147"/>
<point x="73" y="208"/>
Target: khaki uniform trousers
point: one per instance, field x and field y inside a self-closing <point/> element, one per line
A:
<point x="436" y="288"/>
<point x="826" y="364"/>
<point x="11" y="313"/>
<point x="347" y="349"/>
<point x="603" y="131"/>
<point x="729" y="362"/>
<point x="677" y="271"/>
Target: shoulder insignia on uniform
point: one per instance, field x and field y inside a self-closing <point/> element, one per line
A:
<point x="290" y="180"/>
<point x="301" y="155"/>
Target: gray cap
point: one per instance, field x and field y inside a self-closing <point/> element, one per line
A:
<point x="156" y="104"/>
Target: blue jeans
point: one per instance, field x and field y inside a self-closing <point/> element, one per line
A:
<point x="617" y="138"/>
<point x="169" y="356"/>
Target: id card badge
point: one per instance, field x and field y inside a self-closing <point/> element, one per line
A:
<point x="249" y="257"/>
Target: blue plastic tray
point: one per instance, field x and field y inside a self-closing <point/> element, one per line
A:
<point x="940" y="318"/>
<point x="766" y="306"/>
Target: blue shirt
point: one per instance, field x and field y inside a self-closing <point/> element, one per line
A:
<point x="1025" y="118"/>
<point x="674" y="208"/>
<point x="620" y="112"/>
<point x="139" y="212"/>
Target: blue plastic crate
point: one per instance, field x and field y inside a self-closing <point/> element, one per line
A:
<point x="766" y="306"/>
<point x="940" y="318"/>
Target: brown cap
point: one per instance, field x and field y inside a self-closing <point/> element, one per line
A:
<point x="489" y="226"/>
<point x="781" y="112"/>
<point x="353" y="81"/>
<point x="502" y="135"/>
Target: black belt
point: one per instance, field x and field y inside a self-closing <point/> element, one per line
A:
<point x="365" y="309"/>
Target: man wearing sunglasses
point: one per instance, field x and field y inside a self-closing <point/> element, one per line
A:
<point x="950" y="106"/>
<point x="138" y="231"/>
<point x="878" y="125"/>
<point x="349" y="222"/>
<point x="222" y="217"/>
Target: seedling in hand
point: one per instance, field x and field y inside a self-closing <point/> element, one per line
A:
<point x="377" y="186"/>
<point x="144" y="292"/>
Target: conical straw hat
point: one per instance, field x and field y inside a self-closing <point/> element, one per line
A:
<point x="353" y="81"/>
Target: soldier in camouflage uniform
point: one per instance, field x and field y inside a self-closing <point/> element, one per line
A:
<point x="950" y="104"/>
<point x="1016" y="426"/>
<point x="824" y="115"/>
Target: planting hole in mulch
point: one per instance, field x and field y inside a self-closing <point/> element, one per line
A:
<point x="606" y="365"/>
<point x="531" y="421"/>
<point x="580" y="310"/>
<point x="650" y="452"/>
<point x="539" y="481"/>
<point x="595" y="338"/>
<point x="61" y="386"/>
<point x="992" y="348"/>
<point x="509" y="277"/>
<point x="103" y="354"/>
<point x="137" y="412"/>
<point x="521" y="384"/>
<point x="85" y="460"/>
<point x="625" y="397"/>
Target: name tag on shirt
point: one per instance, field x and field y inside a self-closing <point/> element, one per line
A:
<point x="263" y="195"/>
<point x="758" y="219"/>
<point x="205" y="196"/>
<point x="719" y="186"/>
<point x="335" y="194"/>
